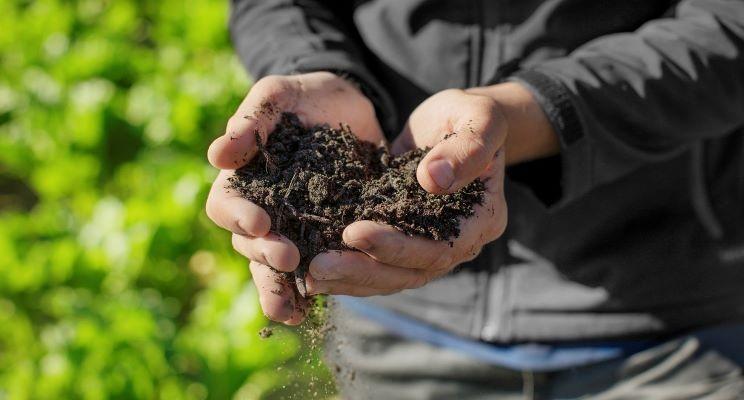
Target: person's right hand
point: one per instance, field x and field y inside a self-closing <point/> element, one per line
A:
<point x="316" y="98"/>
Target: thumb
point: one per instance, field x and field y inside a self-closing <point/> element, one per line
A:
<point x="258" y="114"/>
<point x="462" y="156"/>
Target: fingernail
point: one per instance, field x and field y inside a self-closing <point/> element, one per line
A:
<point x="442" y="173"/>
<point x="356" y="243"/>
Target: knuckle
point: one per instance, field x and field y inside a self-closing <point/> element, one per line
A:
<point x="452" y="92"/>
<point x="484" y="103"/>
<point x="325" y="75"/>
<point x="488" y="110"/>
<point x="281" y="90"/>
<point x="237" y="243"/>
<point x="269" y="83"/>
<point x="472" y="145"/>
<point x="484" y="106"/>
<point x="271" y="87"/>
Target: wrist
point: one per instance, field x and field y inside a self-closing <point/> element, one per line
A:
<point x="529" y="135"/>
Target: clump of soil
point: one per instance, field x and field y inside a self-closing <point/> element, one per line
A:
<point x="313" y="182"/>
<point x="265" y="332"/>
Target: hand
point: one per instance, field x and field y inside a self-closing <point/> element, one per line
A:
<point x="317" y="98"/>
<point x="390" y="261"/>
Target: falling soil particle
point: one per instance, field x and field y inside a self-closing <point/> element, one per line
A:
<point x="314" y="182"/>
<point x="265" y="332"/>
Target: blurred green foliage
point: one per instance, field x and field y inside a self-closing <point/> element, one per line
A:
<point x="113" y="283"/>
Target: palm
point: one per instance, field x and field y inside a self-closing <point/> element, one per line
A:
<point x="335" y="102"/>
<point x="317" y="98"/>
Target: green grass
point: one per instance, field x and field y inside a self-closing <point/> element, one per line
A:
<point x="113" y="283"/>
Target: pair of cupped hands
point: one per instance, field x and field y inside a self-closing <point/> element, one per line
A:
<point x="387" y="261"/>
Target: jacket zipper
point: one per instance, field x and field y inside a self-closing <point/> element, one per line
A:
<point x="476" y="44"/>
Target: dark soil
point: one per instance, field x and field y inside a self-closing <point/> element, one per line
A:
<point x="314" y="182"/>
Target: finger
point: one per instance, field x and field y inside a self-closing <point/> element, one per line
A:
<point x="258" y="113"/>
<point x="230" y="211"/>
<point x="403" y="142"/>
<point x="328" y="99"/>
<point x="388" y="245"/>
<point x="300" y="309"/>
<point x="455" y="162"/>
<point x="343" y="288"/>
<point x="338" y="269"/>
<point x="340" y="288"/>
<point x="273" y="250"/>
<point x="490" y="218"/>
<point x="276" y="296"/>
<point x="299" y="312"/>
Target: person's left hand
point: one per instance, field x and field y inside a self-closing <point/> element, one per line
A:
<point x="388" y="260"/>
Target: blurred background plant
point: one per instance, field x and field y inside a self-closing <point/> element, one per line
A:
<point x="113" y="283"/>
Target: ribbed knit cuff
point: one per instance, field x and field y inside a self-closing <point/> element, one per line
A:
<point x="555" y="100"/>
<point x="558" y="104"/>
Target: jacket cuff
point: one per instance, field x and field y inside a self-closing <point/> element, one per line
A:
<point x="343" y="65"/>
<point x="558" y="104"/>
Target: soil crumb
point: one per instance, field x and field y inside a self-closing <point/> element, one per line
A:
<point x="313" y="182"/>
<point x="265" y="332"/>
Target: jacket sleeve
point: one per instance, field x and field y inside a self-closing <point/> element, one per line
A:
<point x="625" y="100"/>
<point x="281" y="37"/>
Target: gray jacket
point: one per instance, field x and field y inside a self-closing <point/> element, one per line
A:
<point x="637" y="227"/>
